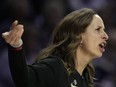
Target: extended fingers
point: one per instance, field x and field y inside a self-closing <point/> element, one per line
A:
<point x="15" y="23"/>
<point x="15" y="39"/>
<point x="14" y="34"/>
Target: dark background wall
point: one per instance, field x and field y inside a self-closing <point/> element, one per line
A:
<point x="40" y="17"/>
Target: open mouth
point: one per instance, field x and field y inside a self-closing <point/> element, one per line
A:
<point x="102" y="46"/>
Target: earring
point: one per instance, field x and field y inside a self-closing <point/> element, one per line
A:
<point x="81" y="43"/>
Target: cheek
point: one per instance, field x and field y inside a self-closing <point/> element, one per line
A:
<point x="91" y="41"/>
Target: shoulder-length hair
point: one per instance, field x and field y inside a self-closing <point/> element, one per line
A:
<point x="67" y="37"/>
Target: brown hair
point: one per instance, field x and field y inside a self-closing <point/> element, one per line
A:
<point x="67" y="36"/>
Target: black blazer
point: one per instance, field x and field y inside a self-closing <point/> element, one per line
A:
<point x="50" y="72"/>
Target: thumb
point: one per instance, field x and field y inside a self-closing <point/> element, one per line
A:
<point x="5" y="34"/>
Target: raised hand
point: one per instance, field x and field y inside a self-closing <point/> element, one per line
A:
<point x="13" y="37"/>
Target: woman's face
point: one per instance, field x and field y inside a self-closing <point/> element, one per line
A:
<point x="94" y="38"/>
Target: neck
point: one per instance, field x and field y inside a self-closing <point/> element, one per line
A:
<point x="82" y="60"/>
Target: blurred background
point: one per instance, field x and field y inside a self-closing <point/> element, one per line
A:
<point x="39" y="18"/>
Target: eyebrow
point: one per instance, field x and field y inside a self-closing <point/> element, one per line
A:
<point x="101" y="27"/>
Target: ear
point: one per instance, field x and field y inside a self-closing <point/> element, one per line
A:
<point x="82" y="36"/>
<point x="81" y="40"/>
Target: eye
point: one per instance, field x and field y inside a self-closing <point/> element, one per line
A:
<point x="98" y="29"/>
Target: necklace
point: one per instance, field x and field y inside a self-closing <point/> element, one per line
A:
<point x="74" y="83"/>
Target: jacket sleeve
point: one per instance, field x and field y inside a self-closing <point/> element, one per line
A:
<point x="41" y="74"/>
<point x="18" y="67"/>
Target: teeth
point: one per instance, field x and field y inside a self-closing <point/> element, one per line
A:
<point x="102" y="45"/>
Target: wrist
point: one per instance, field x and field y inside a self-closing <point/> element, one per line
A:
<point x="20" y="43"/>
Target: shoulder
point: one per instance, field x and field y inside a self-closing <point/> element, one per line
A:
<point x="50" y="66"/>
<point x="50" y="63"/>
<point x="53" y="62"/>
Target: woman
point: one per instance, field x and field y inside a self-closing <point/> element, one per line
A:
<point x="77" y="40"/>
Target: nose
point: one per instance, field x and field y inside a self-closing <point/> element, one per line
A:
<point x="105" y="36"/>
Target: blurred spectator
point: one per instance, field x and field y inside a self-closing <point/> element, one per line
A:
<point x="95" y="4"/>
<point x="40" y="17"/>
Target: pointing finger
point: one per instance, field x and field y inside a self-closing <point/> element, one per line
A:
<point x="14" y="24"/>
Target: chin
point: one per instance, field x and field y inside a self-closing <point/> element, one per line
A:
<point x="99" y="55"/>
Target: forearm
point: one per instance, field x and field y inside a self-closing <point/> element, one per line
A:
<point x="18" y="66"/>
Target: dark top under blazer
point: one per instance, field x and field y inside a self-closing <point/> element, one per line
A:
<point x="50" y="72"/>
